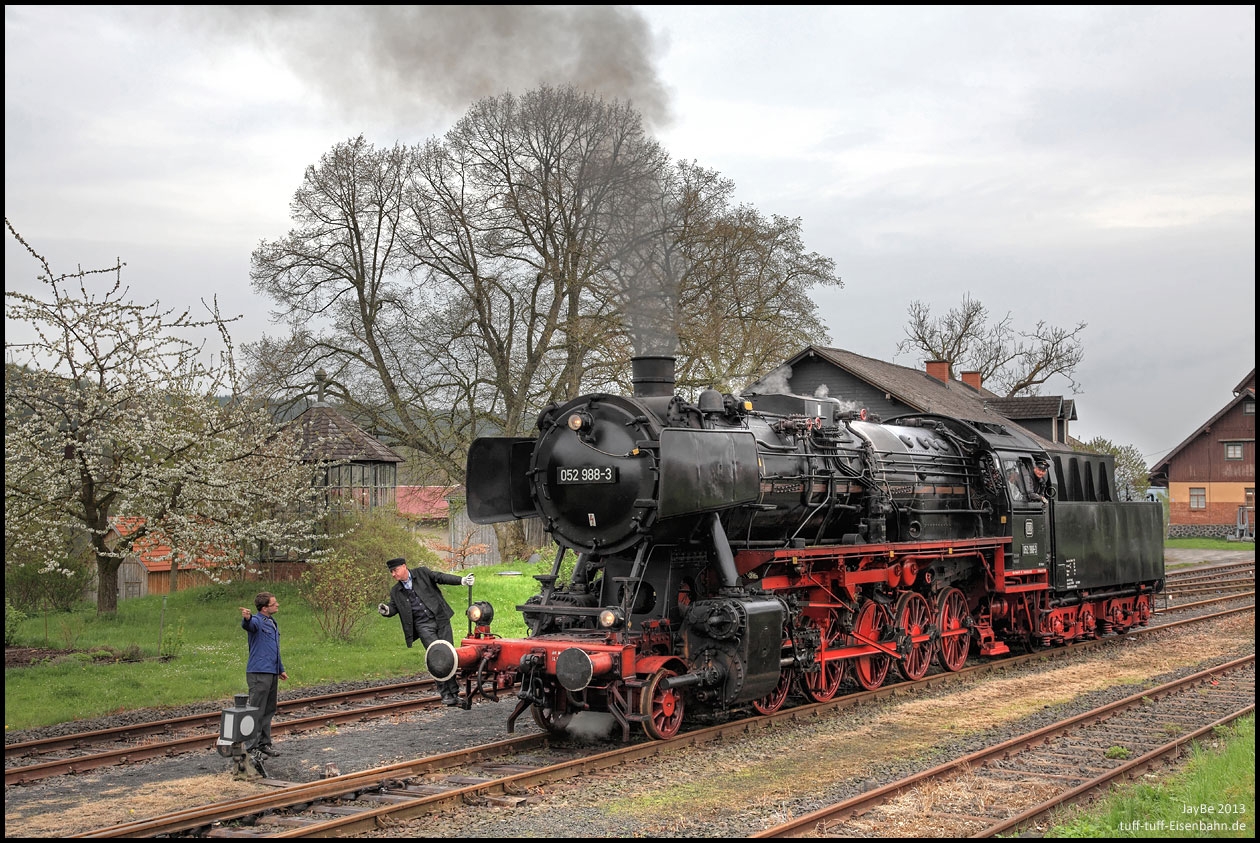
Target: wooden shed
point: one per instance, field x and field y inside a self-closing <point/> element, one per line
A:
<point x="147" y="569"/>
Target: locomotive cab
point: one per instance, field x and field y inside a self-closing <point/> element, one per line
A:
<point x="1029" y="520"/>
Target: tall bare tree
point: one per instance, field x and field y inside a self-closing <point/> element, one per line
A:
<point x="450" y="289"/>
<point x="720" y="286"/>
<point x="517" y="214"/>
<point x="110" y="412"/>
<point x="1010" y="362"/>
<point x="747" y="306"/>
<point x="457" y="288"/>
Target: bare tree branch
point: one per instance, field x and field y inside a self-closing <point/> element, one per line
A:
<point x="1010" y="362"/>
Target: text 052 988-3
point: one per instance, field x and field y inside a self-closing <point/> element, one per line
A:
<point x="586" y="474"/>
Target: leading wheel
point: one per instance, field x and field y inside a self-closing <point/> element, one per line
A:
<point x="872" y="620"/>
<point x="913" y="617"/>
<point x="661" y="707"/>
<point x="952" y="619"/>
<point x="553" y="717"/>
<point x="774" y="700"/>
<point x="822" y="684"/>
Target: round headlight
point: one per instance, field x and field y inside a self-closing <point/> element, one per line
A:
<point x="576" y="421"/>
<point x="481" y="613"/>
<point x="611" y="619"/>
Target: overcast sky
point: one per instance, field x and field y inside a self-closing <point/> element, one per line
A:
<point x="1064" y="164"/>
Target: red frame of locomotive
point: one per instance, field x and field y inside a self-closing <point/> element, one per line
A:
<point x="826" y="581"/>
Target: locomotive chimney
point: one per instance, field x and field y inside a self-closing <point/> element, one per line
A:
<point x="653" y="376"/>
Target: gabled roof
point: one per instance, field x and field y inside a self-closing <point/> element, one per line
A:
<point x="327" y="434"/>
<point x="1246" y="394"/>
<point x="1248" y="382"/>
<point x="425" y="501"/>
<point x="923" y="392"/>
<point x="1035" y="407"/>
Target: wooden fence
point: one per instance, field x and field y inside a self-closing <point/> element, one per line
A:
<point x="459" y="528"/>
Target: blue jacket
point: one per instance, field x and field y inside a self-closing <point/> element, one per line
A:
<point x="264" y="644"/>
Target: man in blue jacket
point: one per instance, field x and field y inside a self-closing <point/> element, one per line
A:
<point x="424" y="612"/>
<point x="264" y="668"/>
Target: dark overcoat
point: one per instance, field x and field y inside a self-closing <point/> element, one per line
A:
<point x="425" y="582"/>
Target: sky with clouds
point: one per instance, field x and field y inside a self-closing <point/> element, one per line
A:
<point x="1060" y="164"/>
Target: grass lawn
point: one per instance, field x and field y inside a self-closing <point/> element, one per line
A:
<point x="1213" y="796"/>
<point x="202" y="626"/>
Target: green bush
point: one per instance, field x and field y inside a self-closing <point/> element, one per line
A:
<point x="71" y="628"/>
<point x="217" y="593"/>
<point x="340" y="592"/>
<point x="343" y="588"/>
<point x="374" y="538"/>
<point x="172" y="639"/>
<point x="13" y="617"/>
<point x="31" y="589"/>
<point x="105" y="653"/>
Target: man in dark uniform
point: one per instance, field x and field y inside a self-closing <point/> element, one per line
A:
<point x="425" y="614"/>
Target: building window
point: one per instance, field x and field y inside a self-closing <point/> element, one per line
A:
<point x="1198" y="497"/>
<point x="1233" y="450"/>
<point x="1249" y="408"/>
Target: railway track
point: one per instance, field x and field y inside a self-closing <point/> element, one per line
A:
<point x="1211" y="586"/>
<point x="1006" y="787"/>
<point x="1197" y="583"/>
<point x="32" y="761"/>
<point x="1165" y="606"/>
<point x="499" y="774"/>
<point x="1208" y="572"/>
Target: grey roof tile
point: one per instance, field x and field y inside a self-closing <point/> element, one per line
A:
<point x="918" y="389"/>
<point x="328" y="434"/>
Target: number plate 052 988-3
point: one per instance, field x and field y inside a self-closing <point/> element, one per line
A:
<point x="586" y="474"/>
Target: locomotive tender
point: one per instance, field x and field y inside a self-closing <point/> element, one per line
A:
<point x="736" y="549"/>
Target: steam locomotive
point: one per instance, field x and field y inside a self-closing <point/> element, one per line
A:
<point x="741" y="549"/>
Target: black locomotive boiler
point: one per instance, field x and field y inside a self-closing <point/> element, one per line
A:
<point x="735" y="549"/>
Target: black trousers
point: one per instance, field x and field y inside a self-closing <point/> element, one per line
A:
<point x="263" y="690"/>
<point x="431" y="629"/>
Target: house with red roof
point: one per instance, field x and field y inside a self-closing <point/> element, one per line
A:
<point x="427" y="504"/>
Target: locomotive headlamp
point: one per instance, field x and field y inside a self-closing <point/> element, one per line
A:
<point x="579" y="421"/>
<point x="612" y="619"/>
<point x="481" y="613"/>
